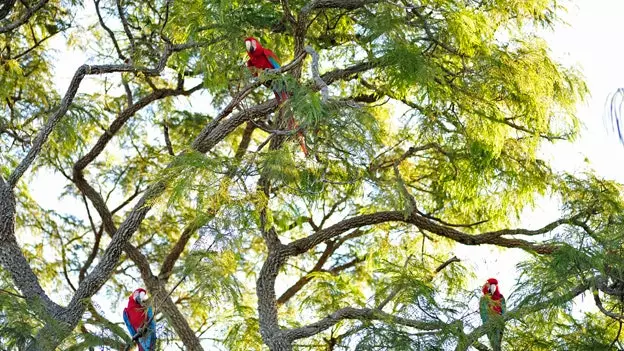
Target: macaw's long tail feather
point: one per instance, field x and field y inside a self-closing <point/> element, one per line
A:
<point x="496" y="338"/>
<point x="292" y="124"/>
<point x="281" y="96"/>
<point x="615" y="112"/>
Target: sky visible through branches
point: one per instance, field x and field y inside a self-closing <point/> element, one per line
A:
<point x="591" y="40"/>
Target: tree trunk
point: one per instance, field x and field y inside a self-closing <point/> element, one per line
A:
<point x="173" y="315"/>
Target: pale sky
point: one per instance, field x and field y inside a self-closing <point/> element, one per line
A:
<point x="593" y="41"/>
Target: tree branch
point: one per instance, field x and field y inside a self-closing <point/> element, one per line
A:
<point x="616" y="316"/>
<point x="7" y="6"/>
<point x="365" y="314"/>
<point x="300" y="246"/>
<point x="83" y="71"/>
<point x="335" y="4"/>
<point x="29" y="13"/>
<point x="12" y="258"/>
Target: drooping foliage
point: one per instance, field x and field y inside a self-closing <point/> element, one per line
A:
<point x="172" y="171"/>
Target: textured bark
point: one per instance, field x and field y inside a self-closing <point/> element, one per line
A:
<point x="155" y="286"/>
<point x="7" y="6"/>
<point x="24" y="18"/>
<point x="12" y="258"/>
<point x="336" y="4"/>
<point x="493" y="238"/>
<point x="165" y="304"/>
<point x="267" y="304"/>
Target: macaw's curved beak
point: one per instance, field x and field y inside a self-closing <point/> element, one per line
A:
<point x="249" y="46"/>
<point x="492" y="288"/>
<point x="140" y="297"/>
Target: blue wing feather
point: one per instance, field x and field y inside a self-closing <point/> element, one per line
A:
<point x="150" y="339"/>
<point x="128" y="325"/>
<point x="274" y="62"/>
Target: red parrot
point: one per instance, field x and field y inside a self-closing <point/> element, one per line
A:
<point x="136" y="315"/>
<point x="492" y="306"/>
<point x="260" y="59"/>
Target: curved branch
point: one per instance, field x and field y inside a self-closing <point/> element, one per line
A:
<point x="7" y="6"/>
<point x="300" y="246"/>
<point x="29" y="13"/>
<point x="335" y="4"/>
<point x="14" y="261"/>
<point x="616" y="316"/>
<point x="366" y="314"/>
<point x="83" y="71"/>
<point x="315" y="74"/>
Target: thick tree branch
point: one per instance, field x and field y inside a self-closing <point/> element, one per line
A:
<point x="25" y="17"/>
<point x="12" y="258"/>
<point x="300" y="246"/>
<point x="335" y="4"/>
<point x="7" y="6"/>
<point x="364" y="314"/>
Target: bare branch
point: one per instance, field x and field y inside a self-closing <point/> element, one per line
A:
<point x="110" y="32"/>
<point x="168" y="139"/>
<point x="315" y="74"/>
<point x="12" y="294"/>
<point x="126" y="27"/>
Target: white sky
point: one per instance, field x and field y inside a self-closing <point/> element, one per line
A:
<point x="593" y="41"/>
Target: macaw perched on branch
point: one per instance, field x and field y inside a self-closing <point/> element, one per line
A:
<point x="260" y="59"/>
<point x="492" y="307"/>
<point x="135" y="317"/>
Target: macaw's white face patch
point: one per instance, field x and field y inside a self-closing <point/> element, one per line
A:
<point x="492" y="288"/>
<point x="140" y="297"/>
<point x="251" y="45"/>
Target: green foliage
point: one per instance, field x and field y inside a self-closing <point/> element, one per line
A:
<point x="448" y="118"/>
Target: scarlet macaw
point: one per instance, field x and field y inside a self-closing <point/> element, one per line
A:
<point x="492" y="306"/>
<point x="135" y="317"/>
<point x="261" y="58"/>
